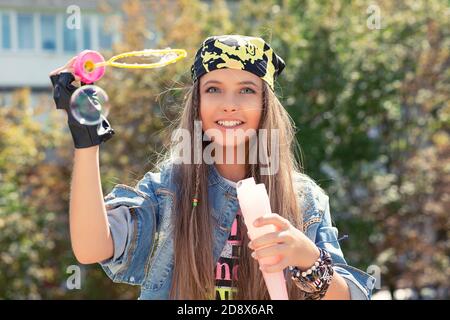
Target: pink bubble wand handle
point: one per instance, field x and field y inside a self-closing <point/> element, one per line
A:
<point x="254" y="203"/>
<point x="88" y="66"/>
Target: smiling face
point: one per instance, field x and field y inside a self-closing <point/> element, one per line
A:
<point x="230" y="99"/>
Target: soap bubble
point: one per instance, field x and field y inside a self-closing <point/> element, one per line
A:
<point x="168" y="57"/>
<point x="88" y="104"/>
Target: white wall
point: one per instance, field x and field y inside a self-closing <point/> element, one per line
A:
<point x="21" y="67"/>
<point x="28" y="69"/>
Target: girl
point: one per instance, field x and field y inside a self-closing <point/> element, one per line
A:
<point x="179" y="233"/>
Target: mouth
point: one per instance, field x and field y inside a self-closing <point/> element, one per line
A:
<point x="230" y="124"/>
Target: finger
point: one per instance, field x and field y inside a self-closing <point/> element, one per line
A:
<point x="275" y="250"/>
<point x="56" y="71"/>
<point x="275" y="219"/>
<point x="70" y="63"/>
<point x="77" y="81"/>
<point x="67" y="67"/>
<point x="277" y="267"/>
<point x="77" y="78"/>
<point x="267" y="239"/>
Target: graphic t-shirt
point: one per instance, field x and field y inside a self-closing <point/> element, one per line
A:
<point x="226" y="268"/>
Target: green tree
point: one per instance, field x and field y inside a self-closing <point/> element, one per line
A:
<point x="371" y="108"/>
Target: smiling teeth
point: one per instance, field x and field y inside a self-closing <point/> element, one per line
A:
<point x="229" y="123"/>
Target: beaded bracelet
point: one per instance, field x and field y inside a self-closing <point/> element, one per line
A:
<point x="316" y="280"/>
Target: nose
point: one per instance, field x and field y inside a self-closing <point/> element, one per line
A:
<point x="230" y="105"/>
<point x="229" y="108"/>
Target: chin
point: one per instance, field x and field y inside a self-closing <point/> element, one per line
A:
<point x="233" y="141"/>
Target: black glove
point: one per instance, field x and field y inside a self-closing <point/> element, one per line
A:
<point x="84" y="136"/>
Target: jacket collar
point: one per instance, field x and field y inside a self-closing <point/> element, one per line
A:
<point x="214" y="178"/>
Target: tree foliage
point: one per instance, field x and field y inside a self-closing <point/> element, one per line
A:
<point x="371" y="108"/>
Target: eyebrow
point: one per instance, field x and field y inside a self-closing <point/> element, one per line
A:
<point x="242" y="82"/>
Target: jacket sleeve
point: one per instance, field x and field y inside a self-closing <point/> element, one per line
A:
<point x="360" y="283"/>
<point x="132" y="218"/>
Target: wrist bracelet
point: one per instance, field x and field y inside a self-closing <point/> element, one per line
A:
<point x="316" y="280"/>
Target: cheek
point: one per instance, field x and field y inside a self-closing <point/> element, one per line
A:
<point x="254" y="114"/>
<point x="206" y="116"/>
<point x="253" y="118"/>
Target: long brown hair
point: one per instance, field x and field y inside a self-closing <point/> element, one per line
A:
<point x="193" y="273"/>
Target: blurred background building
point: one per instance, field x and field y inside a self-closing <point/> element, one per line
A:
<point x="39" y="36"/>
<point x="370" y="102"/>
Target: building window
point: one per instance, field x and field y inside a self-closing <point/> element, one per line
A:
<point x="6" y="31"/>
<point x="48" y="27"/>
<point x="70" y="39"/>
<point x="86" y="26"/>
<point x="25" y="31"/>
<point x="104" y="34"/>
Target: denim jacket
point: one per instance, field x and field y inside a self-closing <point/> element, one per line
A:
<point x="142" y="231"/>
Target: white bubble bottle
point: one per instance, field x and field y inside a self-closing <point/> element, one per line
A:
<point x="254" y="203"/>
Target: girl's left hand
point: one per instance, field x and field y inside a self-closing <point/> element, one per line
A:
<point x="292" y="246"/>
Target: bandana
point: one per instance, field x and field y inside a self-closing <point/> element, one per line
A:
<point x="251" y="54"/>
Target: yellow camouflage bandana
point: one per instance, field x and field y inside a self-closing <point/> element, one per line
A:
<point x="251" y="54"/>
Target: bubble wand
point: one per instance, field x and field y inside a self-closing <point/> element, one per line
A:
<point x="90" y="65"/>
